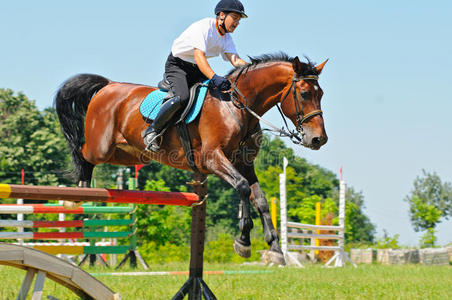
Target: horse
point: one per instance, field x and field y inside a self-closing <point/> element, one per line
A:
<point x="101" y="122"/>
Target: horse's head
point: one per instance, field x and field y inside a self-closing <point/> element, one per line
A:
<point x="301" y="104"/>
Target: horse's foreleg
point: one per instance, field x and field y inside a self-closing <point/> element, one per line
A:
<point x="223" y="168"/>
<point x="259" y="201"/>
<point x="274" y="254"/>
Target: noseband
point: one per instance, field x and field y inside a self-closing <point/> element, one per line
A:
<point x="301" y="118"/>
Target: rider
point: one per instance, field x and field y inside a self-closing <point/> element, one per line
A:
<point x="187" y="62"/>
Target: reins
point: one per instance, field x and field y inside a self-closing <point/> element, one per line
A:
<point x="294" y="135"/>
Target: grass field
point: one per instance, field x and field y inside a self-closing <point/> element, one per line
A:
<point x="312" y="282"/>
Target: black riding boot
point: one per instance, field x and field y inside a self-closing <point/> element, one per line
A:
<point x="151" y="135"/>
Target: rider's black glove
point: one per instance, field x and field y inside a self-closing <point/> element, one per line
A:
<point x="221" y="83"/>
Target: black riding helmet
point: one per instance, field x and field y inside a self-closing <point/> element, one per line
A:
<point x="230" y="6"/>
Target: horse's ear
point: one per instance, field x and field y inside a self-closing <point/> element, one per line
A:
<point x="297" y="66"/>
<point x="319" y="68"/>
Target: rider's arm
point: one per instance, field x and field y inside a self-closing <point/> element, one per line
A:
<point x="235" y="59"/>
<point x="203" y="65"/>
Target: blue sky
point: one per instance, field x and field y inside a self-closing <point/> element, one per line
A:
<point x="387" y="103"/>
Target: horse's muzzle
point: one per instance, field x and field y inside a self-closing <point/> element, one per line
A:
<point x="314" y="141"/>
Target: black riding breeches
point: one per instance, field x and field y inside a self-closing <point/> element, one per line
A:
<point x="182" y="75"/>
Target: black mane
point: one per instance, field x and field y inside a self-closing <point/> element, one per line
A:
<point x="309" y="66"/>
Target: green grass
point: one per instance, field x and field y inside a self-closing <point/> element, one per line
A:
<point x="312" y="282"/>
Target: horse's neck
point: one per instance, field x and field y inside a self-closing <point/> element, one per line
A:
<point x="268" y="84"/>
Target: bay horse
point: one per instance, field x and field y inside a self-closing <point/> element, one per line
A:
<point x="102" y="124"/>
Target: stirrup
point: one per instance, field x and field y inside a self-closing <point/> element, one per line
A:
<point x="156" y="142"/>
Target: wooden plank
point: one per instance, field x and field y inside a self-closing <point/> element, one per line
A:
<point x="300" y="247"/>
<point x="96" y="195"/>
<point x="55" y="269"/>
<point x="26" y="284"/>
<point x="91" y="285"/>
<point x="314" y="227"/>
<point x="39" y="285"/>
<point x="73" y="250"/>
<point x="296" y="235"/>
<point x="14" y="223"/>
<point x="47" y="262"/>
<point x="15" y="255"/>
<point x="16" y="235"/>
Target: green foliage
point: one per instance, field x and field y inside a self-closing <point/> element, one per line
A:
<point x="156" y="185"/>
<point x="222" y="251"/>
<point x="426" y="215"/>
<point x="388" y="242"/>
<point x="161" y="254"/>
<point x="429" y="201"/>
<point x="31" y="140"/>
<point x="358" y="227"/>
<point x="163" y="224"/>
<point x="429" y="239"/>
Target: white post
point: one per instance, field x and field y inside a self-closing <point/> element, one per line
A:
<point x="61" y="217"/>
<point x="282" y="195"/>
<point x="340" y="260"/>
<point x="20" y="217"/>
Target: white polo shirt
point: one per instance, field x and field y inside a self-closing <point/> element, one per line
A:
<point x="202" y="35"/>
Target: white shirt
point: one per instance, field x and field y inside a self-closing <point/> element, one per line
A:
<point x="202" y="35"/>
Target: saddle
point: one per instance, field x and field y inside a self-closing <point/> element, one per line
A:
<point x="151" y="104"/>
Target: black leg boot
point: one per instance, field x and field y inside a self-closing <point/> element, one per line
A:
<point x="151" y="136"/>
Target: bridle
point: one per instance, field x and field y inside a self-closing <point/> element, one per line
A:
<point x="301" y="118"/>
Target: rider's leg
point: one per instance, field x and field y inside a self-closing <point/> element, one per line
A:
<point x="181" y="75"/>
<point x="176" y="74"/>
<point x="167" y="111"/>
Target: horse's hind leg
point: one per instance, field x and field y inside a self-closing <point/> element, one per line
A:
<point x="222" y="167"/>
<point x="85" y="173"/>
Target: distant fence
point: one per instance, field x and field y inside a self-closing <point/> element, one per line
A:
<point x="300" y="231"/>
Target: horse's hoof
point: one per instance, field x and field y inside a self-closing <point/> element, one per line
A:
<point x="72" y="204"/>
<point x="273" y="257"/>
<point x="242" y="250"/>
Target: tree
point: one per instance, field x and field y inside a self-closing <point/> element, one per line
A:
<point x="429" y="201"/>
<point x="31" y="140"/>
<point x="358" y="227"/>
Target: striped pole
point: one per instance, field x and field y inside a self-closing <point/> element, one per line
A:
<point x="63" y="235"/>
<point x="64" y="224"/>
<point x="96" y="195"/>
<point x="163" y="273"/>
<point x="56" y="209"/>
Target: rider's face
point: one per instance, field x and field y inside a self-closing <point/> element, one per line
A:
<point x="231" y="21"/>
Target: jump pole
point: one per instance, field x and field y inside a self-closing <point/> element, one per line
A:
<point x="96" y="195"/>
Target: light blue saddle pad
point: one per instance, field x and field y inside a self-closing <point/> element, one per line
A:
<point x="151" y="104"/>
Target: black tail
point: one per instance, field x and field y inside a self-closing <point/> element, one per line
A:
<point x="71" y="102"/>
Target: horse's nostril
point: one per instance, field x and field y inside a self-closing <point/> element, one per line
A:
<point x="316" y="141"/>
